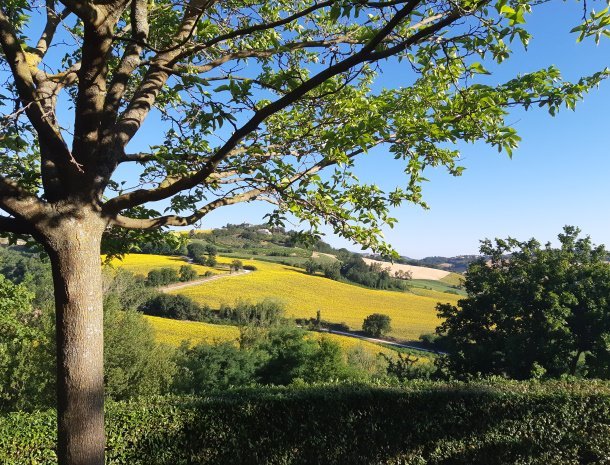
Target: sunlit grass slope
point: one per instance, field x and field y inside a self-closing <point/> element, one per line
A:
<point x="453" y="279"/>
<point x="143" y="263"/>
<point x="412" y="315"/>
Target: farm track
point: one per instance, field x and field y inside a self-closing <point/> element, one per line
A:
<point x="381" y="341"/>
<point x="176" y="286"/>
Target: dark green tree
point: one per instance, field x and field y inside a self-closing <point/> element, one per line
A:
<point x="178" y="307"/>
<point x="377" y="324"/>
<point x="134" y="363"/>
<point x="531" y="310"/>
<point x="187" y="273"/>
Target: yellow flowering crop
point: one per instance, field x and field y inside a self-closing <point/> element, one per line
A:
<point x="412" y="315"/>
<point x="143" y="263"/>
<point x="173" y="332"/>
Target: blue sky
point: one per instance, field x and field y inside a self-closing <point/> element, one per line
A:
<point x="559" y="174"/>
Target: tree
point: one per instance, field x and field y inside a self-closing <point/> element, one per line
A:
<point x="237" y="265"/>
<point x="178" y="307"/>
<point x="134" y="364"/>
<point x="377" y="324"/>
<point x="26" y="351"/>
<point x="162" y="277"/>
<point x="306" y="104"/>
<point x="531" y="310"/>
<point x="187" y="273"/>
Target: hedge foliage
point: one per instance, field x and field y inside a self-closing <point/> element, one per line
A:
<point x="426" y="423"/>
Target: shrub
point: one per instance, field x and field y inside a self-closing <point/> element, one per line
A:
<point x="250" y="267"/>
<point x="426" y="423"/>
<point x="267" y="312"/>
<point x="237" y="265"/>
<point x="187" y="273"/>
<point x="178" y="307"/>
<point x="162" y="277"/>
<point x="377" y="324"/>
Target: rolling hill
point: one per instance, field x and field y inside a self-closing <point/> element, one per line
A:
<point x="412" y="314"/>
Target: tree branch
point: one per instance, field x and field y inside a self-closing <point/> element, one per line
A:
<point x="46" y="38"/>
<point x="44" y="123"/>
<point x="141" y="196"/>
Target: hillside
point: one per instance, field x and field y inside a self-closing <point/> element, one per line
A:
<point x="412" y="314"/>
<point x="174" y="332"/>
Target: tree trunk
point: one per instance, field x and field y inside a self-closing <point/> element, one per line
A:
<point x="74" y="249"/>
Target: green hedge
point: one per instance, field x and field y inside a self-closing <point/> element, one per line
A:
<point x="426" y="423"/>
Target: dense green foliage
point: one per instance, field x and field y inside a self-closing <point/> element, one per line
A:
<point x="532" y="311"/>
<point x="162" y="277"/>
<point x="267" y="312"/>
<point x="27" y="357"/>
<point x="377" y="324"/>
<point x="352" y="268"/>
<point x="134" y="363"/>
<point x="425" y="423"/>
<point x="178" y="307"/>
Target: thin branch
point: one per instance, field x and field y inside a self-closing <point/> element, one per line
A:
<point x="141" y="196"/>
<point x="38" y="116"/>
<point x="46" y="38"/>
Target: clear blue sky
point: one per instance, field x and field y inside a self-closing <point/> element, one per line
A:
<point x="558" y="175"/>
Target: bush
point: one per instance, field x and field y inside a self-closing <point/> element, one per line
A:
<point x="162" y="277"/>
<point x="377" y="324"/>
<point x="209" y="367"/>
<point x="426" y="423"/>
<point x="267" y="312"/>
<point x="187" y="273"/>
<point x="134" y="364"/>
<point x="236" y="265"/>
<point x="177" y="307"/>
<point x="250" y="267"/>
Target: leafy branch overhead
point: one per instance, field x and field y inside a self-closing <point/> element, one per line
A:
<point x="272" y="101"/>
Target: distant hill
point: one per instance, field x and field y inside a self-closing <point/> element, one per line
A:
<point x="457" y="264"/>
<point x="258" y="239"/>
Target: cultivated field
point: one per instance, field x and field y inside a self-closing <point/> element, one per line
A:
<point x="417" y="272"/>
<point x="303" y="294"/>
<point x="143" y="263"/>
<point x="173" y="332"/>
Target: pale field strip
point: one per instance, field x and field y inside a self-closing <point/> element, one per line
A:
<point x="418" y="272"/>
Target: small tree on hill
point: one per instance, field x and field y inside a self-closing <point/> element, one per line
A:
<point x="187" y="273"/>
<point x="377" y="325"/>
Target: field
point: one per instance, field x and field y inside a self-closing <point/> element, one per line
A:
<point x="440" y="286"/>
<point x="173" y="332"/>
<point x="412" y="315"/>
<point x="143" y="263"/>
<point x="417" y="272"/>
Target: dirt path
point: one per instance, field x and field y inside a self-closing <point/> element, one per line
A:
<point x="176" y="286"/>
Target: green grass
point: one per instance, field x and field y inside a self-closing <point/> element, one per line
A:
<point x="439" y="286"/>
<point x="453" y="279"/>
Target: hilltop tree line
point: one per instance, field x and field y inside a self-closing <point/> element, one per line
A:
<point x="352" y="268"/>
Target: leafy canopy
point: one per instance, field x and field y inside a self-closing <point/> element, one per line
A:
<point x="532" y="310"/>
<point x="262" y="100"/>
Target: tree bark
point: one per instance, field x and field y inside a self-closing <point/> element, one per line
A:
<point x="74" y="249"/>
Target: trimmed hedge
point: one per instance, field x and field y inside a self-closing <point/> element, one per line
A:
<point x="426" y="423"/>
